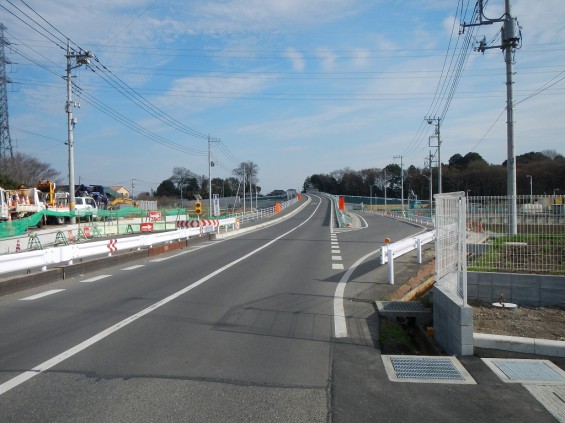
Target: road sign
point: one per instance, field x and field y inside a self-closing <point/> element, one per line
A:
<point x="147" y="227"/>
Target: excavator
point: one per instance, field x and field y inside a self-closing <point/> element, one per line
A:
<point x="118" y="203"/>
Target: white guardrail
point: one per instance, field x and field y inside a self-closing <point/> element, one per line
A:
<point x="66" y="254"/>
<point x="390" y="251"/>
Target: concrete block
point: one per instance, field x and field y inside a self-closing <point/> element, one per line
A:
<point x="552" y="297"/>
<point x="502" y="342"/>
<point x="522" y="294"/>
<point x="467" y="349"/>
<point x="472" y="292"/>
<point x="549" y="347"/>
<point x="551" y="281"/>
<point x="502" y="279"/>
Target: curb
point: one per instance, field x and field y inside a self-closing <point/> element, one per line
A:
<point x="519" y="344"/>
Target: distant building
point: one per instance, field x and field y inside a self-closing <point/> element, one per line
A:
<point x="120" y="191"/>
<point x="291" y="193"/>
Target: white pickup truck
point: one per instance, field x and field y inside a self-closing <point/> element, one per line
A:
<point x="84" y="206"/>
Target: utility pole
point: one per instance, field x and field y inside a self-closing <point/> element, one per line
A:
<point x="385" y="193"/>
<point x="210" y="166"/>
<point x="401" y="182"/>
<point x="428" y="163"/>
<point x="437" y="134"/>
<point x="81" y="58"/>
<point x="511" y="40"/>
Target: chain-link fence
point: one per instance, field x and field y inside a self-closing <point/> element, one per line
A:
<point x="451" y="264"/>
<point x="536" y="244"/>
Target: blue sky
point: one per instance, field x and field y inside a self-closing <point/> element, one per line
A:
<point x="298" y="87"/>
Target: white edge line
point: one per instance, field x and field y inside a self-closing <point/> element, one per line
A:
<point x="340" y="325"/>
<point x="43" y="294"/>
<point x="46" y="365"/>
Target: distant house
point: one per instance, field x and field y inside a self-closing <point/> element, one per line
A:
<point x="277" y="193"/>
<point x="121" y="191"/>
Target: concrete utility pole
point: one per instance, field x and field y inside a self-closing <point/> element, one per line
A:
<point x="511" y="40"/>
<point x="437" y="134"/>
<point x="210" y="166"/>
<point x="82" y="58"/>
<point x="401" y="182"/>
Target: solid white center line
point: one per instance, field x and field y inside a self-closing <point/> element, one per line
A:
<point x="96" y="278"/>
<point x="43" y="294"/>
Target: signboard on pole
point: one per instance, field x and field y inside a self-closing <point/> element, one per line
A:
<point x="216" y="204"/>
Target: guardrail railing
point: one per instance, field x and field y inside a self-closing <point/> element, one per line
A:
<point x="68" y="253"/>
<point x="390" y="251"/>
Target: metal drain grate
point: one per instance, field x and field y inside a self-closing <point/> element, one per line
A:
<point x="423" y="369"/>
<point x="401" y="306"/>
<point x="526" y="371"/>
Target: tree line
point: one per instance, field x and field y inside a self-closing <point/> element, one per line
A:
<point x="470" y="173"/>
<point x="184" y="184"/>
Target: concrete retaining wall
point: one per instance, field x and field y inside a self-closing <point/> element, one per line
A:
<point x="453" y="323"/>
<point x="527" y="290"/>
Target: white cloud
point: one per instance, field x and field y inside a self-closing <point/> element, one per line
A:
<point x="296" y="58"/>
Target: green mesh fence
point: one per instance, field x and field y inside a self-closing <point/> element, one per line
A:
<point x="20" y="226"/>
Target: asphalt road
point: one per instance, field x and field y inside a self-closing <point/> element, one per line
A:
<point x="238" y="330"/>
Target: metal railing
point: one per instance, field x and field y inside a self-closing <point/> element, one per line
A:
<point x="263" y="213"/>
<point x="535" y="245"/>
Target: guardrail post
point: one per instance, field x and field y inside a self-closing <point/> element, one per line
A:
<point x="390" y="266"/>
<point x="419" y="249"/>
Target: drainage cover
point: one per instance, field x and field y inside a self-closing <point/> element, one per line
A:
<point x="401" y="306"/>
<point x="405" y="368"/>
<point x="526" y="371"/>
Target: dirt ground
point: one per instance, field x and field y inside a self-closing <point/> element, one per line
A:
<point x="530" y="322"/>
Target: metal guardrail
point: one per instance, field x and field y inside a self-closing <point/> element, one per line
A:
<point x="264" y="213"/>
<point x="68" y="253"/>
<point x="343" y="220"/>
<point x="390" y="251"/>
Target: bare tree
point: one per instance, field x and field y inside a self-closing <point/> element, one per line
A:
<point x="26" y="169"/>
<point x="250" y="169"/>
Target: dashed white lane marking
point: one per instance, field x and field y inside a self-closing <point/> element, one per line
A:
<point x="43" y="294"/>
<point x="336" y="252"/>
<point x="137" y="266"/>
<point x="336" y="258"/>
<point x="337" y="266"/>
<point x="96" y="278"/>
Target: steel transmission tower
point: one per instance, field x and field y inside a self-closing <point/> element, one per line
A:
<point x="5" y="140"/>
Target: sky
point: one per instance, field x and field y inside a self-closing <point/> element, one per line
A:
<point x="297" y="87"/>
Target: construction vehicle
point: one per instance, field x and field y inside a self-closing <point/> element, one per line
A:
<point x="84" y="206"/>
<point x="20" y="203"/>
<point x="48" y="189"/>
<point x="122" y="201"/>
